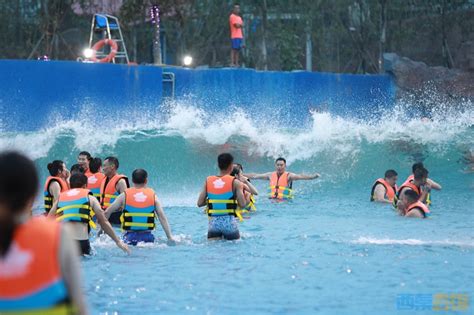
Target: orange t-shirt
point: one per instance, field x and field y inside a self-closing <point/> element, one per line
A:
<point x="234" y="31"/>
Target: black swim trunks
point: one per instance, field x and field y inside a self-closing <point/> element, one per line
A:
<point x="85" y="247"/>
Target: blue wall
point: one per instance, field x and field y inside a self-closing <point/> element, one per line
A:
<point x="32" y="93"/>
<point x="293" y="93"/>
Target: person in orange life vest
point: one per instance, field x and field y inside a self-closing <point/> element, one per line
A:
<point x="236" y="36"/>
<point x="385" y="189"/>
<point x="432" y="184"/>
<point x="74" y="207"/>
<point x="39" y="267"/>
<point x="139" y="207"/>
<point x="112" y="186"/>
<point x="419" y="185"/>
<point x="95" y="177"/>
<point x="222" y="195"/>
<point x="83" y="159"/>
<point x="281" y="181"/>
<point x="249" y="188"/>
<point x="55" y="183"/>
<point x="414" y="208"/>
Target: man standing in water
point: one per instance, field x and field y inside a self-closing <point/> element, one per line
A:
<point x="236" y="36"/>
<point x="222" y="195"/>
<point x="281" y="181"/>
<point x="139" y="206"/>
<point x="112" y="186"/>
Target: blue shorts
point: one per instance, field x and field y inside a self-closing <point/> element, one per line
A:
<point x="236" y="43"/>
<point x="132" y="238"/>
<point x="225" y="226"/>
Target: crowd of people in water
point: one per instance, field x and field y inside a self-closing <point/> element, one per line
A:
<point x="38" y="255"/>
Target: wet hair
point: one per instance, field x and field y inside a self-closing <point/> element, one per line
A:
<point x="412" y="196"/>
<point x="224" y="160"/>
<point x="77" y="169"/>
<point x="235" y="171"/>
<point x="87" y="154"/>
<point x="95" y="164"/>
<point x="416" y="166"/>
<point x="78" y="180"/>
<point x="17" y="171"/>
<point x="139" y="176"/>
<point x="420" y="173"/>
<point x="280" y="159"/>
<point x="390" y="174"/>
<point x="55" y="167"/>
<point x="113" y="160"/>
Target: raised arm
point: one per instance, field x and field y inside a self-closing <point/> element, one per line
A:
<point x="293" y="176"/>
<point x="201" y="202"/>
<point x="239" y="193"/>
<point x="104" y="223"/>
<point x="116" y="206"/>
<point x="265" y="176"/>
<point x="163" y="220"/>
<point x="248" y="186"/>
<point x="434" y="185"/>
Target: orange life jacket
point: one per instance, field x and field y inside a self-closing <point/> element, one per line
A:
<point x="220" y="196"/>
<point x="108" y="191"/>
<point x="390" y="192"/>
<point x="428" y="196"/>
<point x="279" y="187"/>
<point x="411" y="186"/>
<point x="94" y="181"/>
<point x="48" y="198"/>
<point x="30" y="274"/>
<point x="419" y="205"/>
<point x="139" y="211"/>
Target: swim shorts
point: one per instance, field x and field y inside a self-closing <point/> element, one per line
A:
<point x="223" y="226"/>
<point x="132" y="238"/>
<point x="236" y="43"/>
<point x="85" y="247"/>
<point x="115" y="218"/>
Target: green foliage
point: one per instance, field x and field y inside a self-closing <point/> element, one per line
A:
<point x="346" y="34"/>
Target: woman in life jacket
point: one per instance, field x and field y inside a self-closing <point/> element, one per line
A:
<point x="249" y="189"/>
<point x="56" y="183"/>
<point x="39" y="267"/>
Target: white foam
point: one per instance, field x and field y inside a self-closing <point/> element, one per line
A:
<point x="411" y="242"/>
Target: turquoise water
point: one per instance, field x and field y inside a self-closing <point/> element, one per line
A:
<point x="330" y="251"/>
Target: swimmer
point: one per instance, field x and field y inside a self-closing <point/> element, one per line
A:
<point x="76" y="207"/>
<point x="95" y="177"/>
<point x="281" y="181"/>
<point x="56" y="183"/>
<point x="44" y="274"/>
<point x="139" y="207"/>
<point x="83" y="159"/>
<point x="434" y="185"/>
<point x="249" y="189"/>
<point x="112" y="186"/>
<point x="385" y="189"/>
<point x="412" y="206"/>
<point x="222" y="195"/>
<point x="419" y="184"/>
<point x="431" y="183"/>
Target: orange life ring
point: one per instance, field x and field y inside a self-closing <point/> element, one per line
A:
<point x="99" y="45"/>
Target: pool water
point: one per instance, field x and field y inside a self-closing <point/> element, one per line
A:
<point x="329" y="251"/>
